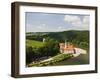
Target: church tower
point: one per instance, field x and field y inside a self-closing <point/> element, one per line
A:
<point x="66" y="44"/>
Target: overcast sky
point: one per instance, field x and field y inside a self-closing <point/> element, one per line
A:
<point x="47" y="22"/>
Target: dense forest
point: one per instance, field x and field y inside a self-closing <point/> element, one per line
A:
<point x="71" y="35"/>
<point x="76" y="37"/>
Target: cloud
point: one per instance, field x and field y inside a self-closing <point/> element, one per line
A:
<point x="59" y="27"/>
<point x="80" y="22"/>
<point x="41" y="26"/>
<point x="70" y="18"/>
<point x="86" y="19"/>
<point x="74" y="20"/>
<point x="69" y="22"/>
<point x="85" y="22"/>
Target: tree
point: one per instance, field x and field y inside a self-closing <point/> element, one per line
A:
<point x="52" y="46"/>
<point x="29" y="54"/>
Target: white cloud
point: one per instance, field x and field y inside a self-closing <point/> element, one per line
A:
<point x="70" y="18"/>
<point x="59" y="27"/>
<point x="86" y="19"/>
<point x="85" y="23"/>
<point x="77" y="24"/>
<point x="41" y="26"/>
<point x="73" y="22"/>
<point x="77" y="21"/>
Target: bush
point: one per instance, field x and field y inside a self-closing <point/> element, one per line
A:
<point x="50" y="48"/>
<point x="29" y="54"/>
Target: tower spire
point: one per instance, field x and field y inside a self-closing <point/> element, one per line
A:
<point x="65" y="44"/>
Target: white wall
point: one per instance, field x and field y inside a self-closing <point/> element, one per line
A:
<point x="5" y="40"/>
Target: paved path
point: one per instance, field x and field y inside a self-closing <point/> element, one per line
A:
<point x="79" y="51"/>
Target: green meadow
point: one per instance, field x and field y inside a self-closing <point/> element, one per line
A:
<point x="34" y="43"/>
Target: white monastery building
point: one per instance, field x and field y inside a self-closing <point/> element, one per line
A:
<point x="68" y="48"/>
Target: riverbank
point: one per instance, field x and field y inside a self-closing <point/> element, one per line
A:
<point x="51" y="61"/>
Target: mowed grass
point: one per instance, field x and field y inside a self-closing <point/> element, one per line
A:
<point x="34" y="43"/>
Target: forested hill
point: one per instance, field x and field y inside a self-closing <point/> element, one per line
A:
<point x="72" y="35"/>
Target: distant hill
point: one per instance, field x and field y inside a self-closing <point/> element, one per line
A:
<point x="71" y="35"/>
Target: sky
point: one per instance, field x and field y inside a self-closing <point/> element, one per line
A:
<point x="55" y="22"/>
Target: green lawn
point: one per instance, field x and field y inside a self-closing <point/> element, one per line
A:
<point x="34" y="43"/>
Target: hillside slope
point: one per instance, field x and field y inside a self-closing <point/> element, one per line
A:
<point x="72" y="35"/>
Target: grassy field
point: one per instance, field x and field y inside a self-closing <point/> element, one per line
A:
<point x="34" y="43"/>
